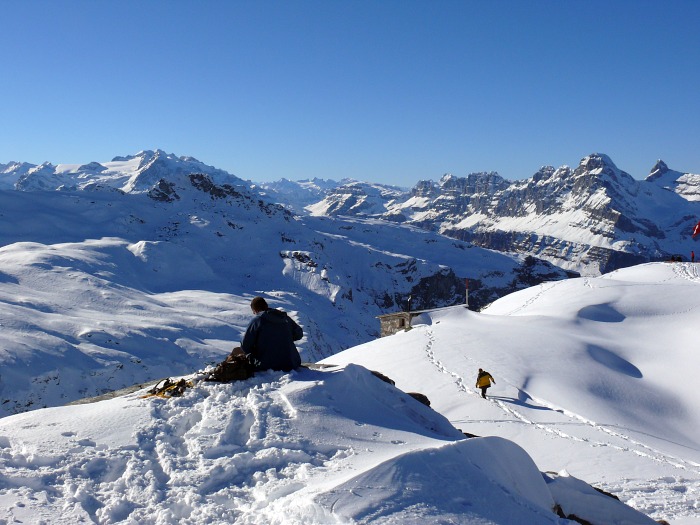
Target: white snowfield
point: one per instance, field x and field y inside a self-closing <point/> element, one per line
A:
<point x="313" y="446"/>
<point x="595" y="376"/>
<point x="594" y="382"/>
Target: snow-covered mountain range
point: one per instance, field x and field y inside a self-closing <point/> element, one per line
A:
<point x="588" y="220"/>
<point x="121" y="244"/>
<point x="592" y="219"/>
<point x="123" y="272"/>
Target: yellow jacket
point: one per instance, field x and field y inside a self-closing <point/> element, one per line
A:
<point x="484" y="379"/>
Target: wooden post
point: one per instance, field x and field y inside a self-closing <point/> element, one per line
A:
<point x="408" y="315"/>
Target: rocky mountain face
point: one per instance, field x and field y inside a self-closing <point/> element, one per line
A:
<point x="591" y="219"/>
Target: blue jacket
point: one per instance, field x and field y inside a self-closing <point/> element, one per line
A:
<point x="269" y="341"/>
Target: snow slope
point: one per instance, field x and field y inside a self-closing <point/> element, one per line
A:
<point x="582" y="394"/>
<point x="311" y="447"/>
<point x="100" y="289"/>
<point x="596" y="376"/>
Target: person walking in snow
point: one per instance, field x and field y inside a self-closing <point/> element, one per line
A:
<point x="483" y="381"/>
<point x="268" y="342"/>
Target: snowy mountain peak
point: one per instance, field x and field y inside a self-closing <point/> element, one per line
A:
<point x="14" y="166"/>
<point x="126" y="158"/>
<point x="445" y="179"/>
<point x="356" y="198"/>
<point x="425" y="188"/>
<point x="43" y="167"/>
<point x="132" y="174"/>
<point x="590" y="219"/>
<point x="596" y="161"/>
<point x="11" y="172"/>
<point x="686" y="185"/>
<point x="658" y="170"/>
<point x="92" y="167"/>
<point x="593" y="218"/>
<point x="544" y="173"/>
<point x="482" y="183"/>
<point x="599" y="168"/>
<point x="550" y="173"/>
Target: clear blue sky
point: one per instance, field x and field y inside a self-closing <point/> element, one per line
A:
<point x="389" y="91"/>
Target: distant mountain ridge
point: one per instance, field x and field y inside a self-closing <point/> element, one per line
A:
<point x="130" y="174"/>
<point x="592" y="219"/>
<point x="165" y="177"/>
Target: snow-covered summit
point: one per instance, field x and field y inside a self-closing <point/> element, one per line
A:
<point x="687" y="185"/>
<point x="297" y="195"/>
<point x="133" y="173"/>
<point x="590" y="219"/>
<point x="357" y="198"/>
<point x="331" y="198"/>
<point x="601" y="171"/>
<point x="11" y="172"/>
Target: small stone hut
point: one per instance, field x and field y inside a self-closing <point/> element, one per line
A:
<point x="393" y="323"/>
<point x="398" y="321"/>
<point x="401" y="321"/>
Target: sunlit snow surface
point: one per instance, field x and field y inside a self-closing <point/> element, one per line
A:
<point x="597" y="376"/>
<point x="594" y="382"/>
<point x="315" y="446"/>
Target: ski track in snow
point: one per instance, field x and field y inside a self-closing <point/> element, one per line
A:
<point x="633" y="492"/>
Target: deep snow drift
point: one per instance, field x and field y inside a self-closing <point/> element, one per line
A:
<point x="594" y="382"/>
